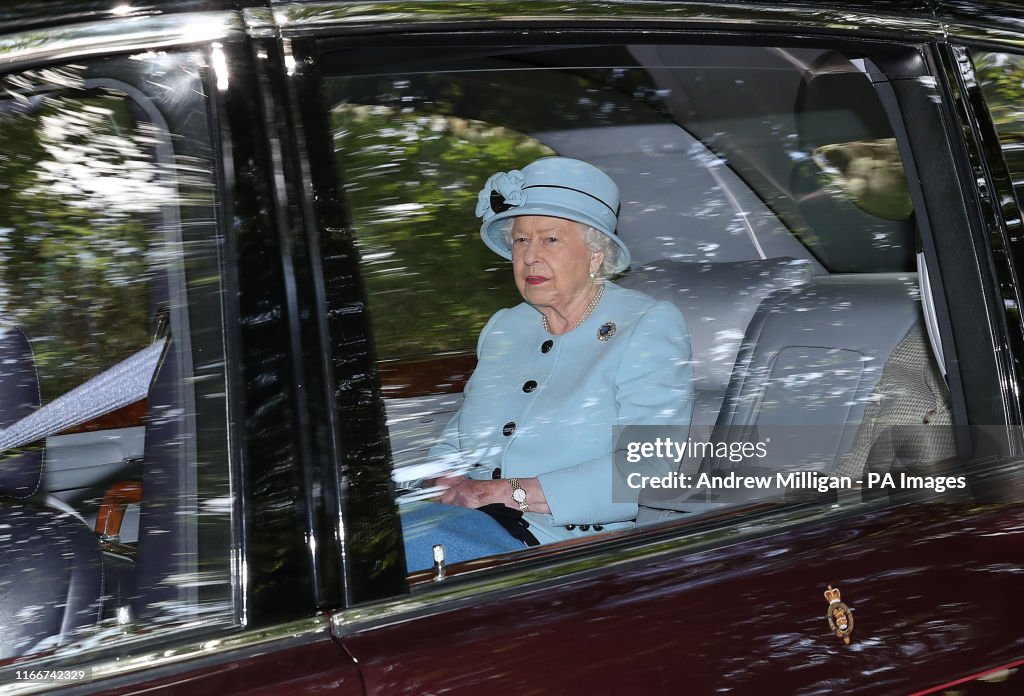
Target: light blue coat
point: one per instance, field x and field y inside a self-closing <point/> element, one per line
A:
<point x="561" y="429"/>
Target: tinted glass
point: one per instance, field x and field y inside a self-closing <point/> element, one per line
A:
<point x="114" y="485"/>
<point x="777" y="126"/>
<point x="76" y="231"/>
<point x="762" y="194"/>
<point x="410" y="178"/>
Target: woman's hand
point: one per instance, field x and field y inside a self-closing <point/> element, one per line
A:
<point x="470" y="493"/>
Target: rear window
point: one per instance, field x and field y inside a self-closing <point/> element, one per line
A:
<point x="763" y="199"/>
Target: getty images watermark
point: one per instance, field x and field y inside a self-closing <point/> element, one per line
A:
<point x="776" y="461"/>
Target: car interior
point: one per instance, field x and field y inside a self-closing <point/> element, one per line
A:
<point x="762" y="193"/>
<point x="109" y="499"/>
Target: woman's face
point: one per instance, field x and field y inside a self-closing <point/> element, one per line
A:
<point x="552" y="263"/>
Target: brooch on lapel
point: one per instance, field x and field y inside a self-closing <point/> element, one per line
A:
<point x="840" y="618"/>
<point x="606" y="331"/>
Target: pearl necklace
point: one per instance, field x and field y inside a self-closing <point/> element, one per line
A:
<point x="586" y="313"/>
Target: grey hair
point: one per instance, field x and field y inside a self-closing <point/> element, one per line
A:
<point x="593" y="238"/>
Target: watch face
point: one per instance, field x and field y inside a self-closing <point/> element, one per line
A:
<point x="519" y="495"/>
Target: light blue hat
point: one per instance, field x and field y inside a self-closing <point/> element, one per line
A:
<point x="555" y="187"/>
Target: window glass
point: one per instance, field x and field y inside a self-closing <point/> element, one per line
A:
<point x="75" y="231"/>
<point x="114" y="489"/>
<point x="763" y="198"/>
<point x="411" y="175"/>
<point x="778" y="140"/>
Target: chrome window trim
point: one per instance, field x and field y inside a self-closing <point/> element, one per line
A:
<point x="318" y="17"/>
<point x="443" y="597"/>
<point x="259" y="22"/>
<point x="228" y="645"/>
<point x="90" y="39"/>
<point x="977" y="34"/>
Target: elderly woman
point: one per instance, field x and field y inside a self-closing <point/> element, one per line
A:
<point x="555" y="374"/>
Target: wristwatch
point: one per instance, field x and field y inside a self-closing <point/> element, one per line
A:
<point x="518" y="494"/>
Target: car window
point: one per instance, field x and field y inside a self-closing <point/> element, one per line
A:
<point x="763" y="197"/>
<point x="115" y="495"/>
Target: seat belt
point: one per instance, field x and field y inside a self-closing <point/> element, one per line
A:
<point x="931" y="323"/>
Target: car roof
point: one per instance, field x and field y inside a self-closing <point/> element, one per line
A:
<point x="996" y="15"/>
<point x="31" y="13"/>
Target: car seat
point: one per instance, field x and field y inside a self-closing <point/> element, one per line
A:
<point x="51" y="576"/>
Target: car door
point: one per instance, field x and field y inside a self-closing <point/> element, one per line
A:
<point x="740" y="137"/>
<point x="154" y="364"/>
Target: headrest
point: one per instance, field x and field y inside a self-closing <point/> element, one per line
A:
<point x="836" y="102"/>
<point x="21" y="470"/>
<point x="717" y="300"/>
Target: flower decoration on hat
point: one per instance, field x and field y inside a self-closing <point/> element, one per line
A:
<point x="502" y="191"/>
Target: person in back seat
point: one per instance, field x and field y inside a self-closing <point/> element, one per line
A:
<point x="555" y="374"/>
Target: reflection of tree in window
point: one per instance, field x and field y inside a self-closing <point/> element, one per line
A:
<point x="77" y="188"/>
<point x="1001" y="76"/>
<point x="411" y="181"/>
